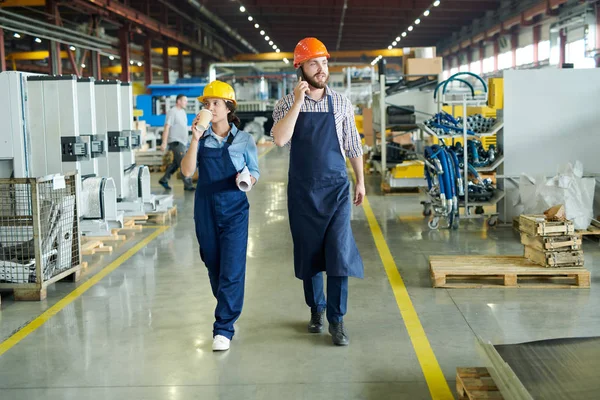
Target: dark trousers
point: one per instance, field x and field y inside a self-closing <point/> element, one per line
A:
<point x="337" y="296"/>
<point x="179" y="150"/>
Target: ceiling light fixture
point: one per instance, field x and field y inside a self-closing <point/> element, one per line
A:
<point x="436" y="3"/>
<point x="397" y="38"/>
<point x="262" y="32"/>
<point x="38" y="40"/>
<point x="417" y="21"/>
<point x="410" y="28"/>
<point x="270" y="43"/>
<point x="140" y="64"/>
<point x="18" y="36"/>
<point x="267" y="38"/>
<point x="256" y="26"/>
<point x="394" y="43"/>
<point x="403" y="34"/>
<point x="389" y="47"/>
<point x="82" y="65"/>
<point x="277" y="51"/>
<point x="111" y="57"/>
<point x="250" y="18"/>
<point x="274" y="47"/>
<point x="72" y="48"/>
<point x="242" y="9"/>
<point x="426" y="13"/>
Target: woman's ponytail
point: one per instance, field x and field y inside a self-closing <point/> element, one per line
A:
<point x="231" y="117"/>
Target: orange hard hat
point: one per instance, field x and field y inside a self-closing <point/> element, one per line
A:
<point x="308" y="48"/>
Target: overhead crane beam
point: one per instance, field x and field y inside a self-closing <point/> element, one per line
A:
<point x="273" y="56"/>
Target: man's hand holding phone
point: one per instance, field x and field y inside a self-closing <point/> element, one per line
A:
<point x="301" y="89"/>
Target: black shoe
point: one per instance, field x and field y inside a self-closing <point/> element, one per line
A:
<point x="338" y="334"/>
<point x="316" y="322"/>
<point x="165" y="185"/>
<point x="190" y="188"/>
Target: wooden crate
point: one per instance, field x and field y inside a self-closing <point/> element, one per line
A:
<point x="552" y="243"/>
<point x="555" y="259"/>
<point x="476" y="384"/>
<point x="475" y="272"/>
<point x="536" y="225"/>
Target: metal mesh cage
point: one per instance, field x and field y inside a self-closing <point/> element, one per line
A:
<point x="39" y="229"/>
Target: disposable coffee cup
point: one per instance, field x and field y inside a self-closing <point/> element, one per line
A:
<point x="244" y="181"/>
<point x="205" y="118"/>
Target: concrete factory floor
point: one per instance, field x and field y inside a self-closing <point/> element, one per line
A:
<point x="144" y="330"/>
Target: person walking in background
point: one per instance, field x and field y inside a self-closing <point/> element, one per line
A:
<point x="175" y="136"/>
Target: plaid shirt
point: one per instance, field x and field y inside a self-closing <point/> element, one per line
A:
<point x="345" y="126"/>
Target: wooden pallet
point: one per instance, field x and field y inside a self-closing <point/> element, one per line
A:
<point x="130" y="225"/>
<point x="38" y="292"/>
<point x="475" y="272"/>
<point x="591" y="231"/>
<point x="109" y="238"/>
<point x="476" y="384"/>
<point x="161" y="218"/>
<point x="93" y="247"/>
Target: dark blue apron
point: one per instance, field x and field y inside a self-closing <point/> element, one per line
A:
<point x="319" y="200"/>
<point x="221" y="218"/>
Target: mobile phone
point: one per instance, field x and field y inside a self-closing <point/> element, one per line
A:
<point x="300" y="74"/>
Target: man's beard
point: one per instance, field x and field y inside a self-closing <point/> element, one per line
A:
<point x="316" y="84"/>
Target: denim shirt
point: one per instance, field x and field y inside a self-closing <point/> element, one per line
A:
<point x="242" y="151"/>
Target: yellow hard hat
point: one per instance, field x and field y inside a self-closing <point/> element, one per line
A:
<point x="218" y="90"/>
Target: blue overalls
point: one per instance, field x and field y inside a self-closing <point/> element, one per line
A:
<point x="221" y="218"/>
<point x="319" y="213"/>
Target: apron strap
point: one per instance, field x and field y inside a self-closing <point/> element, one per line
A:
<point x="330" y="102"/>
<point x="230" y="139"/>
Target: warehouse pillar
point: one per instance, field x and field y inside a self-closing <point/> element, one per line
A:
<point x="469" y="54"/>
<point x="514" y="44"/>
<point x="124" y="52"/>
<point x="496" y="54"/>
<point x="147" y="61"/>
<point x="166" y="62"/>
<point x="2" y="54"/>
<point x="54" y="60"/>
<point x="537" y="36"/>
<point x="597" y="36"/>
<point x="192" y="63"/>
<point x="180" y="61"/>
<point x="96" y="65"/>
<point x="562" y="49"/>
<point x="481" y="56"/>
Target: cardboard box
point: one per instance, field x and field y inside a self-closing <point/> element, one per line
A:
<point x="401" y="138"/>
<point x="423" y="66"/>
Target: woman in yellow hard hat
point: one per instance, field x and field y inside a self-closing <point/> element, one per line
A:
<point x="221" y="153"/>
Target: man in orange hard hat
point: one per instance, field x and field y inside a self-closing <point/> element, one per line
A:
<point x="318" y="125"/>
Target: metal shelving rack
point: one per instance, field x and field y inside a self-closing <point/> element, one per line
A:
<point x="466" y="99"/>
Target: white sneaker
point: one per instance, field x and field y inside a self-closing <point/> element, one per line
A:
<point x="220" y="343"/>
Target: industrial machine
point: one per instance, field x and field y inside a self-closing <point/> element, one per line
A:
<point x="42" y="137"/>
<point x="114" y="117"/>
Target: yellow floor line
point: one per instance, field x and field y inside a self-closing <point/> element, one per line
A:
<point x="438" y="387"/>
<point x="266" y="152"/>
<point x="55" y="309"/>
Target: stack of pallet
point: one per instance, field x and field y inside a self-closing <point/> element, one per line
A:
<point x="551" y="244"/>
